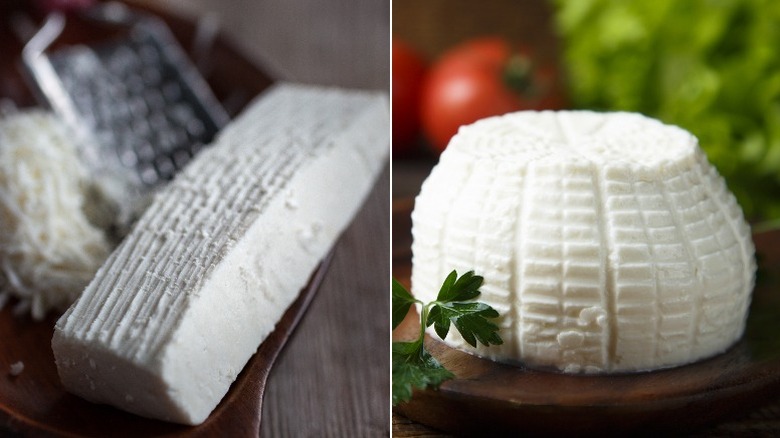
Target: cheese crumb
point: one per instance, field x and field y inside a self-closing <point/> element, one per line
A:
<point x="589" y="315"/>
<point x="570" y="339"/>
<point x="17" y="368"/>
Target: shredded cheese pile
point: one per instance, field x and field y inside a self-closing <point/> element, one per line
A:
<point x="49" y="250"/>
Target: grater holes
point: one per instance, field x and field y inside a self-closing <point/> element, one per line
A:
<point x="171" y="91"/>
<point x="165" y="167"/>
<point x="195" y="128"/>
<point x="145" y="152"/>
<point x="180" y="158"/>
<point x="128" y="158"/>
<point x="148" y="174"/>
<point x="154" y="99"/>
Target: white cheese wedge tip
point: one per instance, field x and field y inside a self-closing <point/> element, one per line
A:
<point x="179" y="308"/>
<point x="607" y="241"/>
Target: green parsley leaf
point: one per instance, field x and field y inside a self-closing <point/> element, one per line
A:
<point x="469" y="318"/>
<point x="402" y="301"/>
<point x="413" y="366"/>
<point x="463" y="289"/>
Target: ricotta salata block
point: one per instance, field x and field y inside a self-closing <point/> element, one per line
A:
<point x="179" y="308"/>
<point x="607" y="241"/>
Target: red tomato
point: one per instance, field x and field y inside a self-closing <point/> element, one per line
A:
<point x="408" y="73"/>
<point x="482" y="78"/>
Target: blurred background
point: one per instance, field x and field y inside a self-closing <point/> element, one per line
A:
<point x="709" y="66"/>
<point x="335" y="42"/>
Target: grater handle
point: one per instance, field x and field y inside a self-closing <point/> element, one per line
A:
<point x="47" y="82"/>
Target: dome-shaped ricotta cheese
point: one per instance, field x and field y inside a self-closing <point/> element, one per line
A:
<point x="607" y="241"/>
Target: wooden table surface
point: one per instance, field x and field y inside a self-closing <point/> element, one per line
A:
<point x="333" y="377"/>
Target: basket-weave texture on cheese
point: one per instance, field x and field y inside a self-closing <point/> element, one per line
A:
<point x="607" y="241"/>
<point x="178" y="309"/>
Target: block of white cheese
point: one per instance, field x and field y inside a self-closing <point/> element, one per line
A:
<point x="178" y="309"/>
<point x="607" y="241"/>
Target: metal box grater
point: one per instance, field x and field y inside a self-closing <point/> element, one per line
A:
<point x="139" y="106"/>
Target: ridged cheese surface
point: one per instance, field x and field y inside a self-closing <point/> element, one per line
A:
<point x="607" y="241"/>
<point x="178" y="309"/>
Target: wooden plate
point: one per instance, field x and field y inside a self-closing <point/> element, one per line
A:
<point x="488" y="397"/>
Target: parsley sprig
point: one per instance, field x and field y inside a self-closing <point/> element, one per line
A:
<point x="413" y="365"/>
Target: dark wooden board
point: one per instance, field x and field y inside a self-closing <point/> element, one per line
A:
<point x="499" y="398"/>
